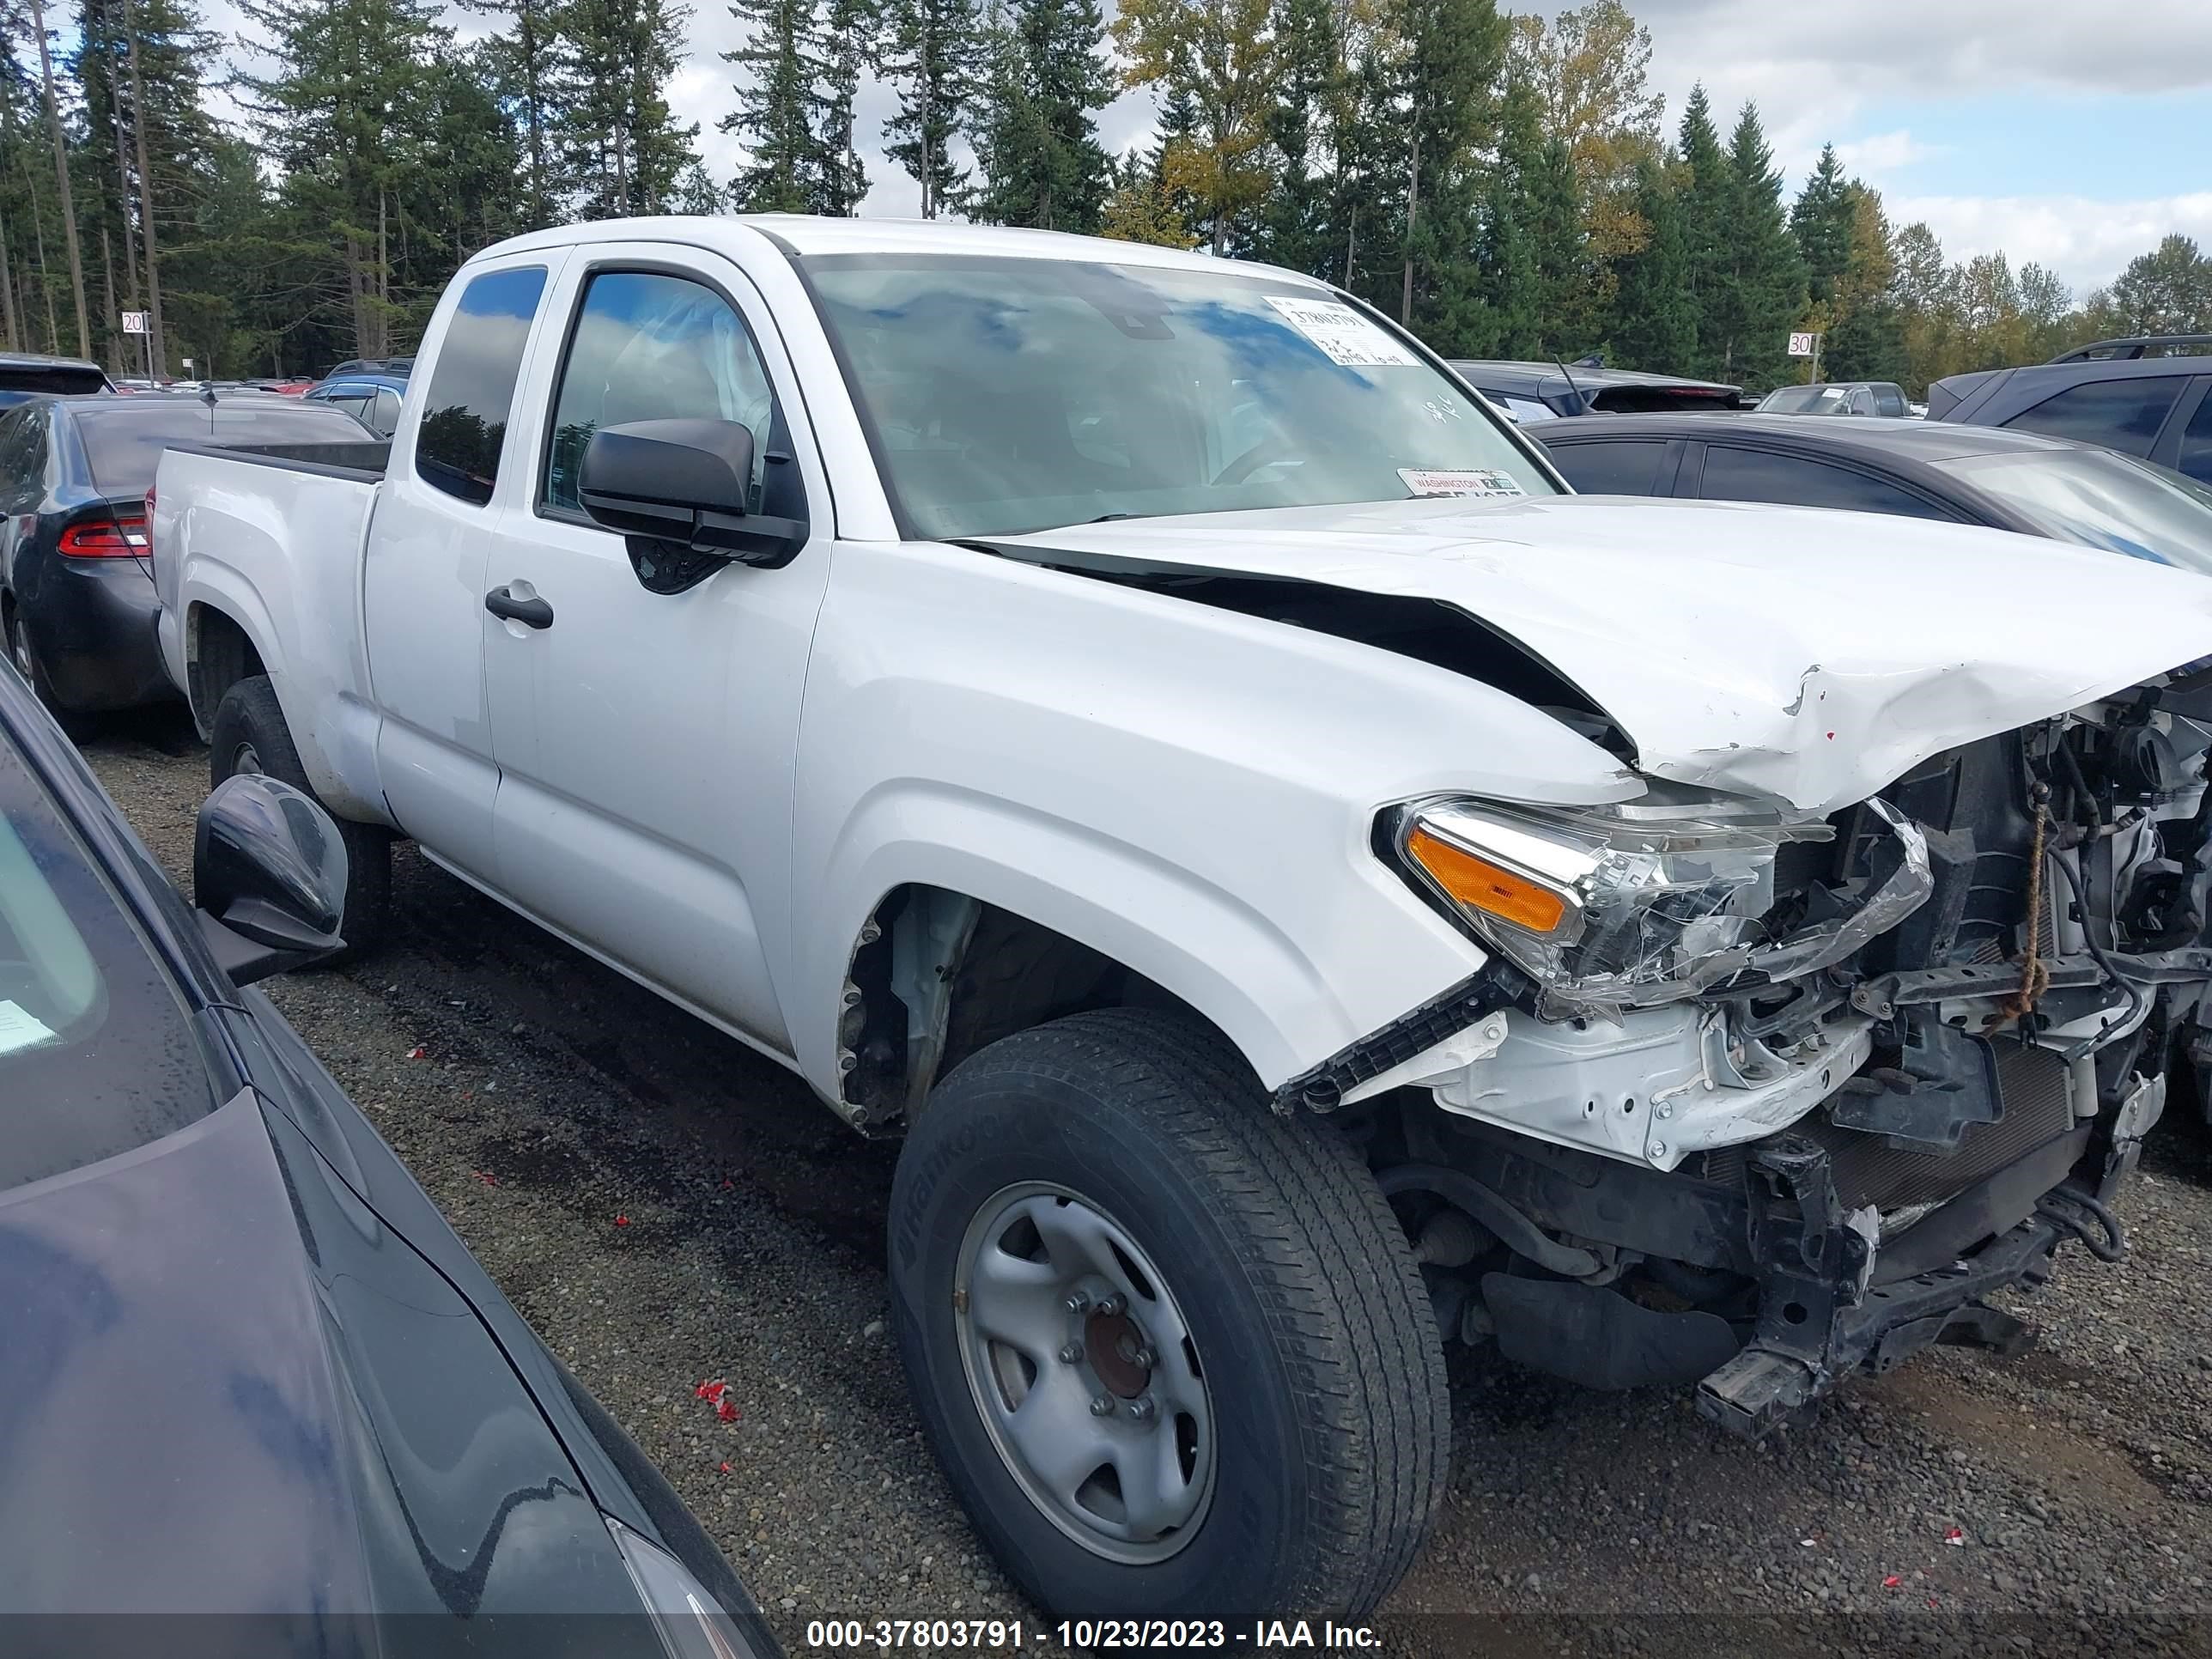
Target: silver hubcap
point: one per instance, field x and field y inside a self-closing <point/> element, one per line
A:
<point x="1085" y="1373"/>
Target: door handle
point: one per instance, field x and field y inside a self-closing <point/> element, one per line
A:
<point x="530" y="613"/>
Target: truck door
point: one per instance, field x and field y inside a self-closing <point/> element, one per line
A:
<point x="422" y="598"/>
<point x="646" y="740"/>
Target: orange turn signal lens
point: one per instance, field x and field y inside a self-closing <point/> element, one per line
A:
<point x="1481" y="885"/>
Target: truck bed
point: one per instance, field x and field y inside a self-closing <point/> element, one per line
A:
<point x="365" y="462"/>
<point x="272" y="533"/>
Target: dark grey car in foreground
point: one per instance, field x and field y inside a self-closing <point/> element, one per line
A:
<point x="255" y="1397"/>
<point x="2009" y="480"/>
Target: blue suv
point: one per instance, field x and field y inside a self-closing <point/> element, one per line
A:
<point x="2145" y="396"/>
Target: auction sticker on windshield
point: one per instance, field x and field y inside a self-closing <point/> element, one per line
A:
<point x="19" y="1027"/>
<point x="1344" y="336"/>
<point x="1482" y="483"/>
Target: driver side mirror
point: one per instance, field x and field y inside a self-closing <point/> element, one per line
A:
<point x="679" y="491"/>
<point x="269" y="877"/>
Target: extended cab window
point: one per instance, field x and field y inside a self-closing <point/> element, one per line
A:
<point x="463" y="429"/>
<point x="649" y="347"/>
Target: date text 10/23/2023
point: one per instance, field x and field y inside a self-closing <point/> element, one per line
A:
<point x="1084" y="1635"/>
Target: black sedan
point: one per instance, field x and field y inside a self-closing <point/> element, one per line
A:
<point x="2011" y="480"/>
<point x="77" y="604"/>
<point x="248" y="1372"/>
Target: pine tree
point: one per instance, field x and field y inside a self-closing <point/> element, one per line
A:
<point x="777" y="103"/>
<point x="528" y="61"/>
<point x="1454" y="51"/>
<point x="1764" y="296"/>
<point x="931" y="56"/>
<point x="1224" y="54"/>
<point x="340" y="113"/>
<point x="620" y="149"/>
<point x="61" y="175"/>
<point x="849" y="46"/>
<point x="1655" y="318"/>
<point x="1295" y="228"/>
<point x="1867" y="340"/>
<point x="1707" y="201"/>
<point x="1139" y="207"/>
<point x="1820" y="220"/>
<point x="1507" y="260"/>
<point x="1036" y="142"/>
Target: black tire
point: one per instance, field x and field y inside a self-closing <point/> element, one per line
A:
<point x="1292" y="1273"/>
<point x="248" y="733"/>
<point x="23" y="652"/>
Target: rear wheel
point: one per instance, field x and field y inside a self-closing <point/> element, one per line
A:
<point x="25" y="655"/>
<point x="248" y="735"/>
<point x="1171" y="1348"/>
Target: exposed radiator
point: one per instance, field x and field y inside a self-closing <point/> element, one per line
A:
<point x="2032" y="1085"/>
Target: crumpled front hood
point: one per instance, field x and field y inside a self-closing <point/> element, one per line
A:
<point x="1809" y="655"/>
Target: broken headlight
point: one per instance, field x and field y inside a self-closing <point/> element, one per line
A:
<point x="1643" y="902"/>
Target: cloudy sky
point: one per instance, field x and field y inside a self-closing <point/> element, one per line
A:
<point x="2068" y="132"/>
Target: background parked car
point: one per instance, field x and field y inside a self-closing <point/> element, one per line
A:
<point x="1540" y="392"/>
<point x="373" y="399"/>
<point x="1883" y="397"/>
<point x="332" y="1414"/>
<point x="401" y="366"/>
<point x="2145" y="395"/>
<point x="78" y="606"/>
<point x="23" y="377"/>
<point x="2010" y="480"/>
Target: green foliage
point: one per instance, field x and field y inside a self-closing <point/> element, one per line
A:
<point x="776" y="105"/>
<point x="932" y="54"/>
<point x="1036" y="150"/>
<point x="1502" y="182"/>
<point x="1656" y="317"/>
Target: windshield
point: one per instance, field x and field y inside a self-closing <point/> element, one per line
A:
<point x="1807" y="400"/>
<point x="97" y="1053"/>
<point x="1007" y="395"/>
<point x="2100" y="499"/>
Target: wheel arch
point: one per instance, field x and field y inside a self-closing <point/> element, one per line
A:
<point x="220" y="651"/>
<point x="936" y="975"/>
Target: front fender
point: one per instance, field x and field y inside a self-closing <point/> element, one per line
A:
<point x="1228" y="956"/>
<point x="1190" y="791"/>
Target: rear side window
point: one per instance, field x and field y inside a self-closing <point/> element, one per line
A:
<point x="1627" y="466"/>
<point x="2195" y="457"/>
<point x="1750" y="475"/>
<point x="2123" y="414"/>
<point x="53" y="381"/>
<point x="464" y="428"/>
<point x="23" y="456"/>
<point x="97" y="1051"/>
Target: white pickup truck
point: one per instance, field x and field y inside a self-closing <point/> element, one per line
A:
<point x="1306" y="889"/>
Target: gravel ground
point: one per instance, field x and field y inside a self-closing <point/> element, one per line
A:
<point x="668" y="1207"/>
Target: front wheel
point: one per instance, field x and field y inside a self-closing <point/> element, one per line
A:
<point x="248" y="735"/>
<point x="1171" y="1348"/>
